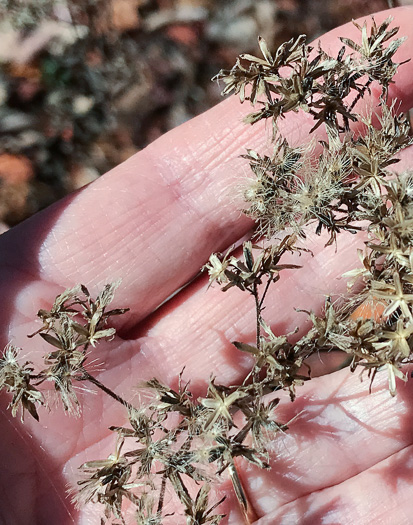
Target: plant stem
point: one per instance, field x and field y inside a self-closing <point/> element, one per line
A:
<point x="258" y="313"/>
<point x="161" y="496"/>
<point x="265" y="291"/>
<point x="87" y="377"/>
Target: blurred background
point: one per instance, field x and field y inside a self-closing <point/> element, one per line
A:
<point x="85" y="84"/>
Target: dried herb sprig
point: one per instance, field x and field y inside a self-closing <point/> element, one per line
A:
<point x="15" y="378"/>
<point x="298" y="77"/>
<point x="73" y="324"/>
<point x="349" y="182"/>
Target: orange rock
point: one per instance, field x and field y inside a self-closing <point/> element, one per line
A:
<point x="28" y="71"/>
<point x="15" y="174"/>
<point x="185" y="34"/>
<point x="15" y="169"/>
<point x="125" y="14"/>
<point x="67" y="134"/>
<point x="14" y="202"/>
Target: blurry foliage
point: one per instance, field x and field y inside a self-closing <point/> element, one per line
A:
<point x="84" y="84"/>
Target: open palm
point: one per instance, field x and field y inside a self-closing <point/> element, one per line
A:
<point x="153" y="221"/>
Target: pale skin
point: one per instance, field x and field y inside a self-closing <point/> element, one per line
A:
<point x="154" y="221"/>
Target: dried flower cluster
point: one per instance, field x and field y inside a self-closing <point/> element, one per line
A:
<point x="182" y="444"/>
<point x="349" y="188"/>
<point x="74" y="322"/>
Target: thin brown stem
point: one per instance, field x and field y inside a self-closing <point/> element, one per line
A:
<point x="265" y="292"/>
<point x="87" y="377"/>
<point x="258" y="313"/>
<point x="161" y="495"/>
<point x="361" y="94"/>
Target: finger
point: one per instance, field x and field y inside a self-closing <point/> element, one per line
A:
<point x="341" y="431"/>
<point x="381" y="494"/>
<point x="140" y="220"/>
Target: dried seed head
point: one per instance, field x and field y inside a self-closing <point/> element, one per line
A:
<point x="16" y="379"/>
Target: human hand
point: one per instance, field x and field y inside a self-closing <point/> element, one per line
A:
<point x="154" y="221"/>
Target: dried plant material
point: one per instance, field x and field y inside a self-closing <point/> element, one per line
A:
<point x="177" y="446"/>
<point x="74" y="322"/>
<point x="219" y="404"/>
<point x="15" y="378"/>
<point x="58" y="309"/>
<point x="289" y="80"/>
<point x="198" y="512"/>
<point x="145" y="512"/>
<point x="349" y="182"/>
<point x="106" y="483"/>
